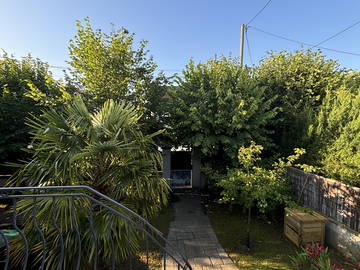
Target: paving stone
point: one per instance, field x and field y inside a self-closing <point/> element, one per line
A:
<point x="216" y="260"/>
<point x="185" y="236"/>
<point x="227" y="261"/>
<point x="201" y="235"/>
<point x="191" y="233"/>
<point x="211" y="252"/>
<point x="223" y="254"/>
<point x="229" y="267"/>
<point x="171" y="237"/>
<point x="211" y="267"/>
<point x="202" y="261"/>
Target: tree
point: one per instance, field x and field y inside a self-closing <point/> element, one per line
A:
<point x="105" y="150"/>
<point x="335" y="134"/>
<point x="26" y="86"/>
<point x="299" y="82"/>
<point x="254" y="186"/>
<point x="218" y="107"/>
<point x="108" y="66"/>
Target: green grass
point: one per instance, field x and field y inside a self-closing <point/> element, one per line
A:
<point x="270" y="250"/>
<point x="162" y="223"/>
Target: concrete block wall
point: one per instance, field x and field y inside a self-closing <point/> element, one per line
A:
<point x="341" y="238"/>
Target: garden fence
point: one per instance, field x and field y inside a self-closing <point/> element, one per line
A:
<point x="331" y="198"/>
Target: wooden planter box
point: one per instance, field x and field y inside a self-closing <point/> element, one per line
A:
<point x="303" y="228"/>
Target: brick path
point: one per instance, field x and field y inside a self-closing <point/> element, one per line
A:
<point x="193" y="235"/>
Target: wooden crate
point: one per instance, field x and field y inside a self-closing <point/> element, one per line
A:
<point x="303" y="228"/>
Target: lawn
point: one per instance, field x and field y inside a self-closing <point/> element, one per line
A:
<point x="162" y="223"/>
<point x="270" y="250"/>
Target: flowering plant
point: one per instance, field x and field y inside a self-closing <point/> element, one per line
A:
<point x="315" y="250"/>
<point x="313" y="257"/>
<point x="353" y="260"/>
<point x="317" y="257"/>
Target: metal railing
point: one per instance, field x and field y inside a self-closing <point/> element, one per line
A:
<point x="97" y="200"/>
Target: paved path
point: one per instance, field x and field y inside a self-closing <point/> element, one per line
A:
<point x="192" y="234"/>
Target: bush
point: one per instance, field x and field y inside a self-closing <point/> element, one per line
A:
<point x="254" y="186"/>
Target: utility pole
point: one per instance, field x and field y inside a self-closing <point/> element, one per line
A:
<point x="242" y="44"/>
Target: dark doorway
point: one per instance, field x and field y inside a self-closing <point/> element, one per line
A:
<point x="181" y="160"/>
<point x="181" y="168"/>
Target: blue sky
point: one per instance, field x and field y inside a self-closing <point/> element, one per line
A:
<point x="180" y="30"/>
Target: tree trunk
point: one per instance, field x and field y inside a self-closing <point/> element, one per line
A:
<point x="248" y="240"/>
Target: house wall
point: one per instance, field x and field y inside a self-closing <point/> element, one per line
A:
<point x="166" y="169"/>
<point x="197" y="181"/>
<point x="196" y="164"/>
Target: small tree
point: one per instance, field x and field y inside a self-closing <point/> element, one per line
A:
<point x="254" y="186"/>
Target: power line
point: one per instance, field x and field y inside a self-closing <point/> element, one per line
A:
<point x="58" y="67"/>
<point x="170" y="70"/>
<point x="303" y="43"/>
<point x="248" y="47"/>
<point x="338" y="33"/>
<point x="278" y="36"/>
<point x="261" y="10"/>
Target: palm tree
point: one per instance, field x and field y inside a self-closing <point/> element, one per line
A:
<point x="105" y="150"/>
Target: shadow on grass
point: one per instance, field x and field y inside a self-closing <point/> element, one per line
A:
<point x="155" y="255"/>
<point x="270" y="250"/>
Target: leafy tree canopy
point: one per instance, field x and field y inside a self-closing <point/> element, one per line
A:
<point x="108" y="66"/>
<point x="26" y="86"/>
<point x="299" y="82"/>
<point x="218" y="107"/>
<point x="335" y="135"/>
